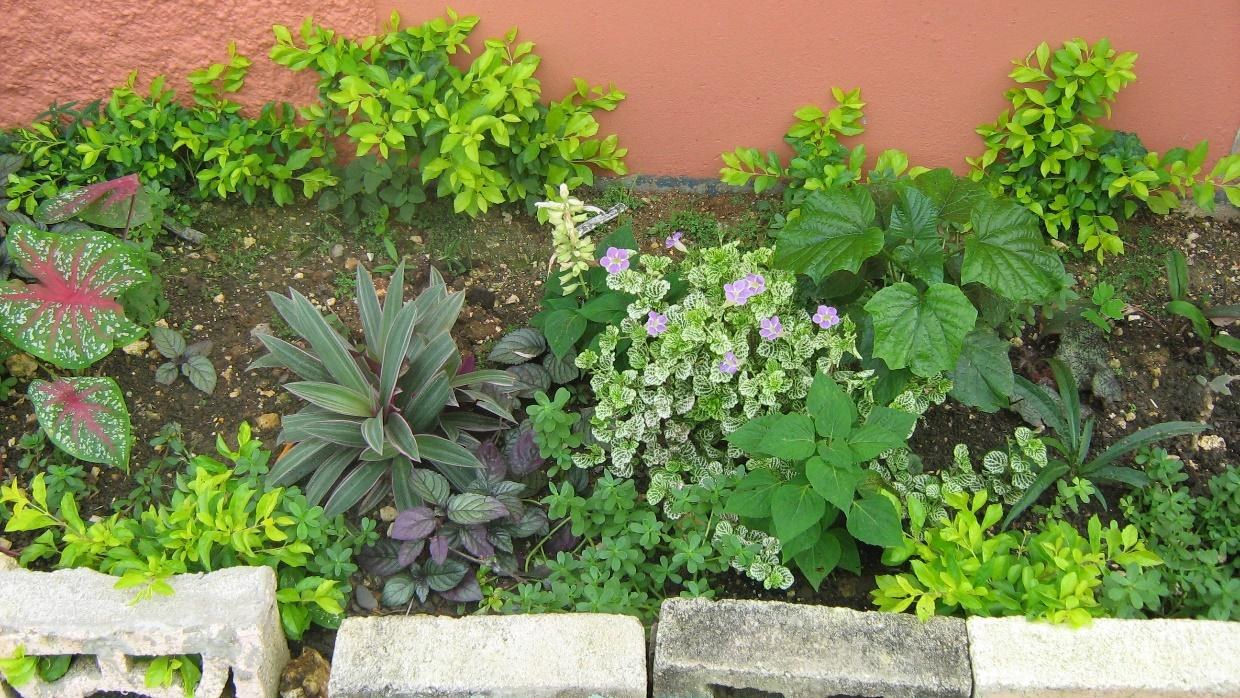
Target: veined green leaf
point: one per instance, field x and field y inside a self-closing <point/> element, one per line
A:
<point x="331" y="396"/>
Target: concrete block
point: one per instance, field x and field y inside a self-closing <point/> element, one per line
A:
<point x="229" y="618"/>
<point x="536" y="656"/>
<point x="802" y="651"/>
<point x="1016" y="657"/>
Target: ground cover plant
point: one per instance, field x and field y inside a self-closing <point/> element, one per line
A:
<point x="484" y="398"/>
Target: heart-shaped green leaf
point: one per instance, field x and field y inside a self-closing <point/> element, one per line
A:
<point x="921" y="331"/>
<point x="1006" y="252"/>
<point x="834" y="231"/>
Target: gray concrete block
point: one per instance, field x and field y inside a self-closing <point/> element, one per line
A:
<point x="535" y="656"/>
<point x="228" y="617"/>
<point x="1015" y="657"/>
<point x="802" y="651"/>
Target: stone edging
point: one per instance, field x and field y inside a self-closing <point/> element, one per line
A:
<point x="229" y="618"/>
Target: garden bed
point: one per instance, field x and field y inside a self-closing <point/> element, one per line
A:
<point x="218" y="291"/>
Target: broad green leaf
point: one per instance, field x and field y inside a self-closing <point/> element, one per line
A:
<point x="69" y="316"/>
<point x="834" y="476"/>
<point x="791" y="437"/>
<point x="834" y="232"/>
<point x="750" y="435"/>
<point x="85" y="416"/>
<point x="1006" y="252"/>
<point x="795" y="506"/>
<point x="832" y="409"/>
<point x="983" y="375"/>
<point x="817" y="561"/>
<point x="873" y="519"/>
<point x="921" y="331"/>
<point x="884" y="429"/>
<point x="954" y="197"/>
<point x="200" y="372"/>
<point x="563" y="329"/>
<point x="430" y="486"/>
<point x="914" y="216"/>
<point x="752" y="496"/>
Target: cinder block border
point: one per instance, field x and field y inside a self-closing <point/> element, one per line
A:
<point x="228" y="617"/>
<point x="803" y="650"/>
<point x="570" y="655"/>
<point x="1109" y="657"/>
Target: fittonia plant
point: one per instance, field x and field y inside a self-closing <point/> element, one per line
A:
<point x="70" y="317"/>
<point x="85" y="416"/>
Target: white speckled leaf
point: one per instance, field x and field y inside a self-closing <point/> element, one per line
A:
<point x="70" y="317"/>
<point x="85" y="416"/>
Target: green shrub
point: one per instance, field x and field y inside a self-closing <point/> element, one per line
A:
<point x="820" y="162"/>
<point x="479" y="135"/>
<point x="1051" y="573"/>
<point x="1197" y="537"/>
<point x="1050" y="154"/>
<point x="209" y="146"/>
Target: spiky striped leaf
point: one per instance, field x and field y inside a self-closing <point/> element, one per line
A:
<point x="70" y="317"/>
<point x="85" y="416"/>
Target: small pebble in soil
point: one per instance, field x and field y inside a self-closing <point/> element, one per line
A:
<point x="299" y="276"/>
<point x="234" y="394"/>
<point x="136" y="347"/>
<point x="247" y="242"/>
<point x="219" y="298"/>
<point x="1212" y="442"/>
<point x="417" y="239"/>
<point x="268" y="421"/>
<point x="387" y="513"/>
<point x="337" y="250"/>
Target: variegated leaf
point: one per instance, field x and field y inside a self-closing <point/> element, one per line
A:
<point x="85" y="416"/>
<point x="70" y="317"/>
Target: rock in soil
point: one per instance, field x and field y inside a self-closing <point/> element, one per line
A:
<point x="268" y="421"/>
<point x="306" y="676"/>
<point x="22" y="366"/>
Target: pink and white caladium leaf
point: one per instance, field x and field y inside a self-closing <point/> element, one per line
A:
<point x="116" y="203"/>
<point x="70" y="316"/>
<point x="85" y="416"/>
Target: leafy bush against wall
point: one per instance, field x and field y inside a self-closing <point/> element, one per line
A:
<point x="209" y="146"/>
<point x="478" y="134"/>
<point x="820" y="161"/>
<point x="1050" y="153"/>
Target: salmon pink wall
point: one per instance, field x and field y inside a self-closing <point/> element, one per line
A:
<point x="68" y="49"/>
<point x="706" y="76"/>
<point x="702" y="77"/>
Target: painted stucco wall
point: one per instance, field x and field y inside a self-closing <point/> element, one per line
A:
<point x="702" y="77"/>
<point x="73" y="49"/>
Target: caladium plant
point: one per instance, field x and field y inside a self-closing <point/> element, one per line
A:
<point x="85" y="416"/>
<point x="70" y="315"/>
<point x="116" y="203"/>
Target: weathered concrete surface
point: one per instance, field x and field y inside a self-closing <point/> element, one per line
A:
<point x="228" y="617"/>
<point x="800" y="650"/>
<point x="97" y="44"/>
<point x="1015" y="657"/>
<point x="536" y="656"/>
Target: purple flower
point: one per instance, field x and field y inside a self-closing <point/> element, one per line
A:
<point x="826" y="317"/>
<point x="737" y="292"/>
<point x="730" y="364"/>
<point x="656" y="324"/>
<point x="771" y="329"/>
<point x="673" y="242"/>
<point x="616" y="260"/>
<point x="756" y="283"/>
